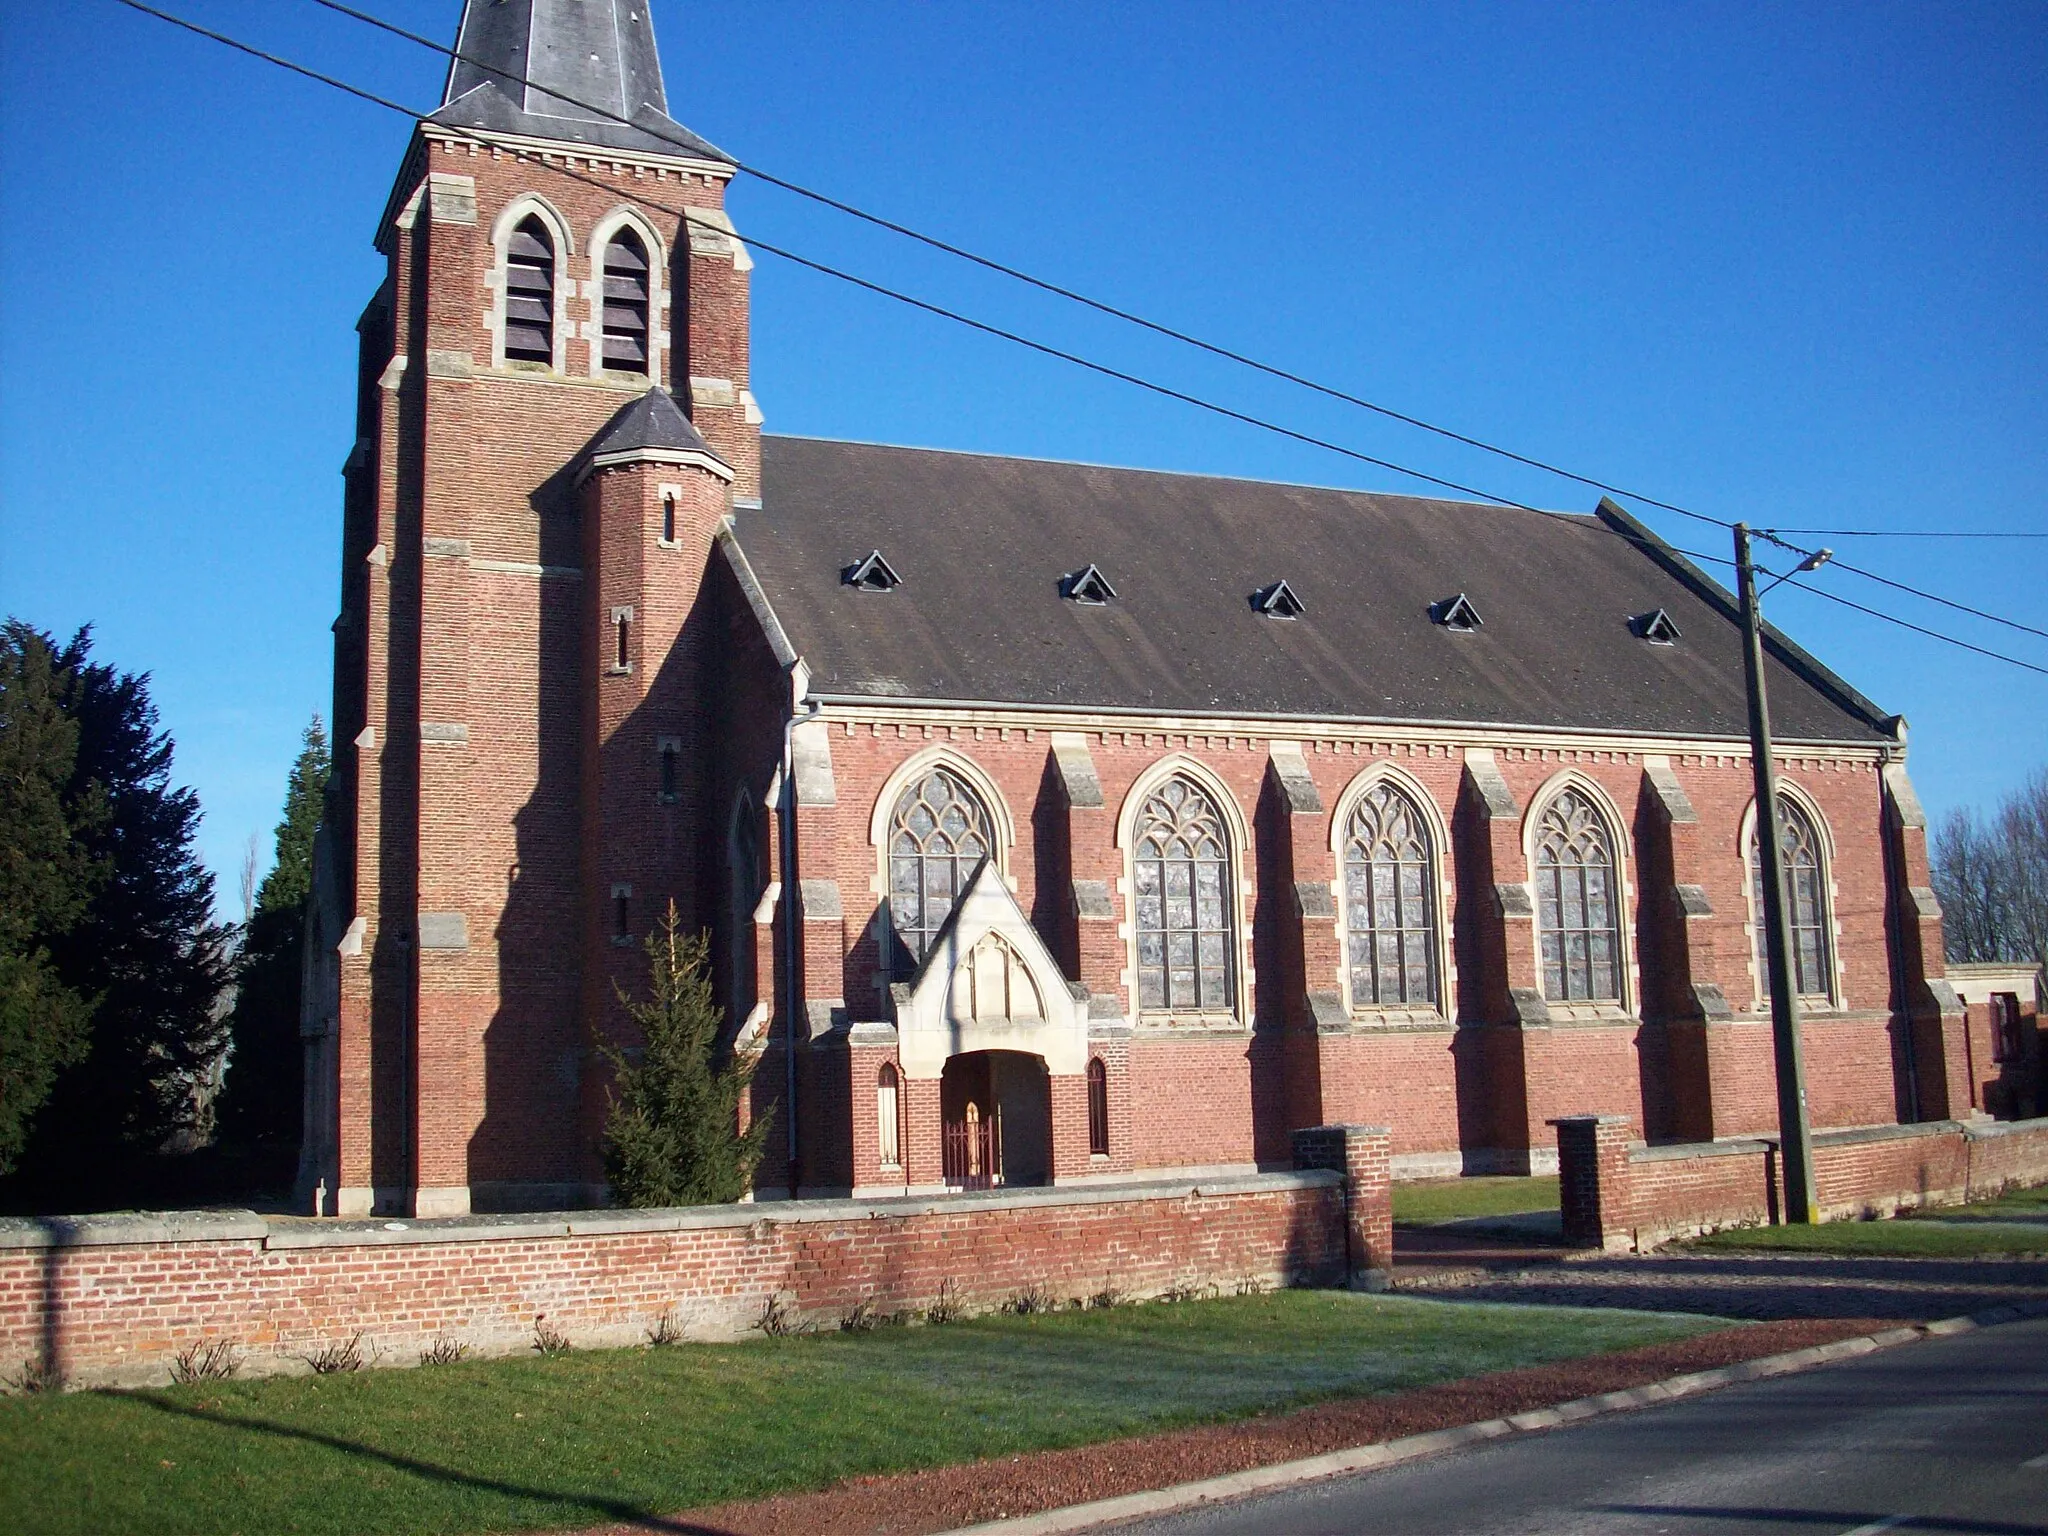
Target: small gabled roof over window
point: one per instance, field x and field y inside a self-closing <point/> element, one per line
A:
<point x="1087" y="585"/>
<point x="1277" y="600"/>
<point x="1456" y="614"/>
<point x="1655" y="627"/>
<point x="871" y="573"/>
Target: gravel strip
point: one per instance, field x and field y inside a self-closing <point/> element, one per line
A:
<point x="944" y="1498"/>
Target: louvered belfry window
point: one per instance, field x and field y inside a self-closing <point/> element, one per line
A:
<point x="530" y="294"/>
<point x="938" y="837"/>
<point x="1806" y="902"/>
<point x="1389" y="890"/>
<point x="1577" y="910"/>
<point x="625" y="303"/>
<point x="1182" y="871"/>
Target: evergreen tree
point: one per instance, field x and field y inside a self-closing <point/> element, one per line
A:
<point x="46" y="879"/>
<point x="263" y="1094"/>
<point x="672" y="1136"/>
<point x="146" y="946"/>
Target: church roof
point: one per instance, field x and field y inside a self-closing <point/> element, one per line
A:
<point x="539" y="68"/>
<point x="983" y="545"/>
<point x="654" y="421"/>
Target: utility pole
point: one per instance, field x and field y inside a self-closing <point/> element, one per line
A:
<point x="1795" y="1140"/>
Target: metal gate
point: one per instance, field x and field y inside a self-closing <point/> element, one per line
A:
<point x="974" y="1151"/>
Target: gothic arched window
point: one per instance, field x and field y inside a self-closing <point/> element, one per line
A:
<point x="530" y="293"/>
<point x="938" y="836"/>
<point x="1185" y="927"/>
<point x="888" y="1123"/>
<point x="1578" y="902"/>
<point x="625" y="303"/>
<point x="1806" y="901"/>
<point x="1389" y="901"/>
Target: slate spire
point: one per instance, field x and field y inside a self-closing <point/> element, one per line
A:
<point x="565" y="70"/>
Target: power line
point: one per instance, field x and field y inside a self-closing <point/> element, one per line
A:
<point x="1906" y="533"/>
<point x="1062" y="355"/>
<point x="989" y="263"/>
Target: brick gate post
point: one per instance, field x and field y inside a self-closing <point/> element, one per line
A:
<point x="1594" y="1180"/>
<point x="1364" y="1154"/>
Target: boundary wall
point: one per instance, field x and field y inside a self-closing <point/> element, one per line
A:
<point x="114" y="1300"/>
<point x="1620" y="1195"/>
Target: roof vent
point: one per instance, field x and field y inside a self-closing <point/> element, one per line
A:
<point x="1087" y="585"/>
<point x="873" y="574"/>
<point x="1456" y="614"/>
<point x="1278" y="601"/>
<point x="1655" y="627"/>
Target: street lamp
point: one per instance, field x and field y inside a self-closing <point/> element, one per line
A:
<point x="1795" y="1137"/>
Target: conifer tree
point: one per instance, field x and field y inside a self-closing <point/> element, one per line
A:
<point x="672" y="1136"/>
<point x="46" y="879"/>
<point x="262" y="1097"/>
<point x="146" y="947"/>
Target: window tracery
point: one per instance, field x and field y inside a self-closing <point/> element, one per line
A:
<point x="1577" y="902"/>
<point x="1390" y="901"/>
<point x="938" y="836"/>
<point x="1806" y="902"/>
<point x="1185" y="926"/>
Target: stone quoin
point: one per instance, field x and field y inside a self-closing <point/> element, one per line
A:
<point x="1051" y="823"/>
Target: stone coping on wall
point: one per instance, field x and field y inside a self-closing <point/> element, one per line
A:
<point x="1846" y="1137"/>
<point x="126" y="1228"/>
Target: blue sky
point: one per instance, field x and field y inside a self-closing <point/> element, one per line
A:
<point x="1776" y="262"/>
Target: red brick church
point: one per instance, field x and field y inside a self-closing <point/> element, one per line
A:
<point x="1052" y="823"/>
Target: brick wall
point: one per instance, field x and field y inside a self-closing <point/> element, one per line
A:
<point x="1618" y="1195"/>
<point x="113" y="1300"/>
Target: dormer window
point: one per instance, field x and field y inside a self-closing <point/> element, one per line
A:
<point x="1655" y="627"/>
<point x="871" y="573"/>
<point x="1278" y="601"/>
<point x="530" y="294"/>
<point x="1087" y="585"/>
<point x="625" y="303"/>
<point x="1456" y="614"/>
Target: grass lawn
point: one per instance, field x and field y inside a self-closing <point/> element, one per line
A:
<point x="625" y="1434"/>
<point x="1906" y="1239"/>
<point x="2016" y="1205"/>
<point x="1435" y="1200"/>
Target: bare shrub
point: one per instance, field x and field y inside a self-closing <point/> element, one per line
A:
<point x="1252" y="1286"/>
<point x="446" y="1350"/>
<point x="1109" y="1296"/>
<point x="947" y="1307"/>
<point x="861" y="1317"/>
<point x="549" y="1340"/>
<point x="1031" y="1301"/>
<point x="344" y="1356"/>
<point x="201" y="1361"/>
<point x="35" y="1375"/>
<point x="666" y="1330"/>
<point x="1188" y="1290"/>
<point x="778" y="1320"/>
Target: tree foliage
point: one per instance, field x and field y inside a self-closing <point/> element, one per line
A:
<point x="144" y="947"/>
<point x="1991" y="876"/>
<point x="47" y="877"/>
<point x="672" y="1136"/>
<point x="264" y="1091"/>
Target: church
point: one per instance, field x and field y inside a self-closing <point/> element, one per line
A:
<point x="1051" y="823"/>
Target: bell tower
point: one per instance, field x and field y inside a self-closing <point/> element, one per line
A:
<point x="554" y="416"/>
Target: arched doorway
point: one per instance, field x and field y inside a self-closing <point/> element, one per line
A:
<point x="997" y="1112"/>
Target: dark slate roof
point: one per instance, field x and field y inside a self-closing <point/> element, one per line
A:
<point x="982" y="544"/>
<point x="565" y="69"/>
<point x="652" y="421"/>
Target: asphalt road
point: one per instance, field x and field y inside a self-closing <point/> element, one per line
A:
<point x="1948" y="1434"/>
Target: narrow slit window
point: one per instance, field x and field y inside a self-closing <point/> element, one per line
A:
<point x="668" y="519"/>
<point x="622" y="639"/>
<point x="530" y="293"/>
<point x="622" y="914"/>
<point x="625" y="303"/>
<point x="888" y="1138"/>
<point x="669" y="754"/>
<point x="1098" y="1109"/>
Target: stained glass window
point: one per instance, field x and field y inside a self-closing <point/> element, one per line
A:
<point x="1806" y="906"/>
<point x="938" y="836"/>
<point x="1577" y="902"/>
<point x="1184" y="910"/>
<point x="1389" y="901"/>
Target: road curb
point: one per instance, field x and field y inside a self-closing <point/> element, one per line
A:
<point x="1366" y="1458"/>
